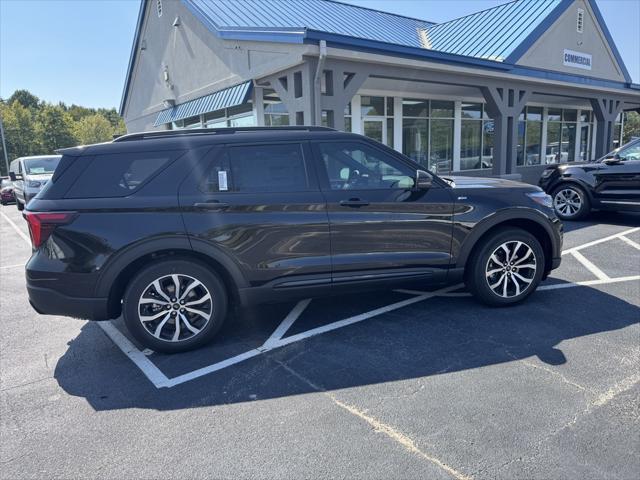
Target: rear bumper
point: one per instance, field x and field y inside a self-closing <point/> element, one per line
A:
<point x="49" y="302"/>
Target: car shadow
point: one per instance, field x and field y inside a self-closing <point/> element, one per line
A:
<point x="621" y="219"/>
<point x="435" y="337"/>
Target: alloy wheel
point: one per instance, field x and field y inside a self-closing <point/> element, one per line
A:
<point x="175" y="308"/>
<point x="511" y="269"/>
<point x="567" y="202"/>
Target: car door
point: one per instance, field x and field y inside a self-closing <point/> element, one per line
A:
<point x="260" y="205"/>
<point x="618" y="179"/>
<point x="381" y="226"/>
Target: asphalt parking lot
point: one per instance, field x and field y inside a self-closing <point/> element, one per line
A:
<point x="399" y="384"/>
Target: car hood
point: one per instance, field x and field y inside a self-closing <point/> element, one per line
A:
<point x="482" y="182"/>
<point x="563" y="166"/>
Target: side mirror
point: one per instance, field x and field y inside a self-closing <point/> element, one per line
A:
<point x="614" y="159"/>
<point x="13" y="176"/>
<point x="424" y="180"/>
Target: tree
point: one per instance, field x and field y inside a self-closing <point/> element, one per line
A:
<point x="93" y="129"/>
<point x="631" y="126"/>
<point x="54" y="128"/>
<point x="25" y="98"/>
<point x="19" y="130"/>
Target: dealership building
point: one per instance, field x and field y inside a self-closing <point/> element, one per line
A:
<point x="500" y="92"/>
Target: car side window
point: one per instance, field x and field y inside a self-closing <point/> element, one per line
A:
<point x="118" y="175"/>
<point x="357" y="166"/>
<point x="264" y="168"/>
<point x="632" y="152"/>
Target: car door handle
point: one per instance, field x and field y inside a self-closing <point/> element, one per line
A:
<point x="211" y="205"/>
<point x="354" y="202"/>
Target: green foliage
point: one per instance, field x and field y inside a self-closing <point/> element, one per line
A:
<point x="34" y="127"/>
<point x="93" y="129"/>
<point x="25" y="98"/>
<point x="631" y="126"/>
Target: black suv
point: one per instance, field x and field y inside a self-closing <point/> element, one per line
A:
<point x="170" y="229"/>
<point x="610" y="183"/>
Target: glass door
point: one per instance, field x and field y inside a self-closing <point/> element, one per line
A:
<point x="374" y="128"/>
<point x="585" y="143"/>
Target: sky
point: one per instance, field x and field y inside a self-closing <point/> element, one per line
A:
<point x="77" y="51"/>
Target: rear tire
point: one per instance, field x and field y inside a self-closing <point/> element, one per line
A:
<point x="571" y="202"/>
<point x="171" y="319"/>
<point x="505" y="268"/>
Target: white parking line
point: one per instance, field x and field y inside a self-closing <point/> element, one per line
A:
<point x="630" y="242"/>
<point x="590" y="266"/>
<point x="601" y="240"/>
<point x="147" y="367"/>
<point x="12" y="266"/>
<point x="160" y="380"/>
<point x="16" y="228"/>
<point x="286" y="323"/>
<point x="555" y="286"/>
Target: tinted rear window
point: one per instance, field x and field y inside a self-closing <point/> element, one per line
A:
<point x="118" y="175"/>
<point x="268" y="168"/>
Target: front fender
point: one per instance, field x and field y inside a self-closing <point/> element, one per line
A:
<point x="510" y="216"/>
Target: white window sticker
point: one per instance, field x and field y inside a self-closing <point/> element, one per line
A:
<point x="222" y="181"/>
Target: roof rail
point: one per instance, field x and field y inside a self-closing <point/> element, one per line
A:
<point x="218" y="131"/>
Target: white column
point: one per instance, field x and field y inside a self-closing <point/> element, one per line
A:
<point x="578" y="136"/>
<point x="397" y="124"/>
<point x="457" y="135"/>
<point x="594" y="131"/>
<point x="356" y="115"/>
<point x="543" y="137"/>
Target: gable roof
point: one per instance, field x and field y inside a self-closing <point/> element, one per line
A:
<point x="493" y="38"/>
<point x="298" y="16"/>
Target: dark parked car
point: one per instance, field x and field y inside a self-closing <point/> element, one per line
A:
<point x="610" y="183"/>
<point x="171" y="228"/>
<point x="6" y="191"/>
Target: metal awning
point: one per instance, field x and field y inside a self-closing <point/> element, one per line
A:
<point x="229" y="97"/>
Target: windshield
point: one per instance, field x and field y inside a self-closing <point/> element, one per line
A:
<point x="628" y="151"/>
<point x="37" y="166"/>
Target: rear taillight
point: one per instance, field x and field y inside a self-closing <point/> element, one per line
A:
<point x="42" y="224"/>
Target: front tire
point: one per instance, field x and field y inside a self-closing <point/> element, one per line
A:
<point x="19" y="205"/>
<point x="570" y="202"/>
<point x="175" y="305"/>
<point x="505" y="268"/>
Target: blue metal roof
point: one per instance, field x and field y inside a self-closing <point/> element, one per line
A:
<point x="294" y="17"/>
<point x="495" y="38"/>
<point x="492" y="34"/>
<point x="229" y="97"/>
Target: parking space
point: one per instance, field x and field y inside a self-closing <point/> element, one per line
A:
<point x="408" y="383"/>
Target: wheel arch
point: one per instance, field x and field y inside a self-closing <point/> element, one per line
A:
<point x="117" y="275"/>
<point x="529" y="220"/>
<point x="563" y="181"/>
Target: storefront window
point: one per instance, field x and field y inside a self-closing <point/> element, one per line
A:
<point x="617" y="132"/>
<point x="561" y="135"/>
<point x="347" y="118"/>
<point x="476" y="142"/>
<point x="427" y="127"/>
<point x="377" y="118"/>
<point x="275" y="112"/>
<point x="415" y="139"/>
<point x="530" y="136"/>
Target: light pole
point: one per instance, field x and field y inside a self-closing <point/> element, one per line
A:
<point x="4" y="145"/>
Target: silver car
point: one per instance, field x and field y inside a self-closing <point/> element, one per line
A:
<point x="30" y="174"/>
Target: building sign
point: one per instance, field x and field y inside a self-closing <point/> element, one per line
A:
<point x="577" y="60"/>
